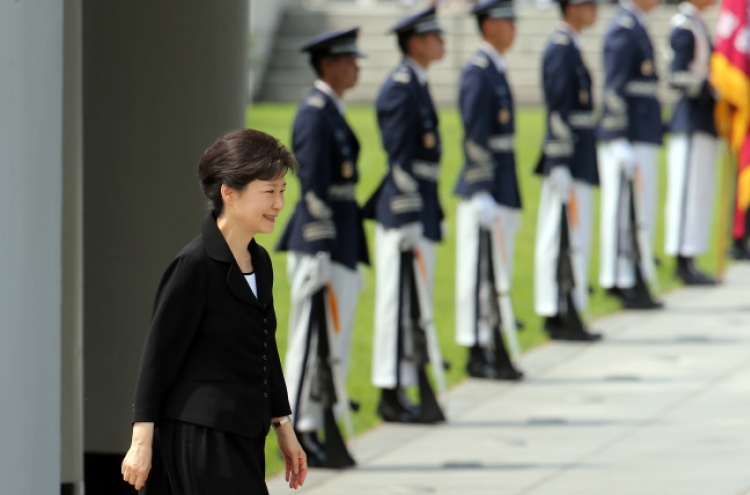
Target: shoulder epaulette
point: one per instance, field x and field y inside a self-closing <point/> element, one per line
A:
<point x="560" y="38"/>
<point x="626" y="21"/>
<point x="316" y="101"/>
<point x="680" y="20"/>
<point x="401" y="76"/>
<point x="480" y="61"/>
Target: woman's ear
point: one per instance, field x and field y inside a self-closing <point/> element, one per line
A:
<point x="227" y="194"/>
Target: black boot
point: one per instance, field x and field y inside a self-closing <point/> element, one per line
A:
<point x="690" y="274"/>
<point x="316" y="454"/>
<point x="394" y="407"/>
<point x="638" y="296"/>
<point x="557" y="330"/>
<point x="739" y="250"/>
<point x="479" y="363"/>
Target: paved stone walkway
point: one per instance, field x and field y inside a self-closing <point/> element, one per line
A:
<point x="662" y="406"/>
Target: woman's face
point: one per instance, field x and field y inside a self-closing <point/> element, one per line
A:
<point x="255" y="206"/>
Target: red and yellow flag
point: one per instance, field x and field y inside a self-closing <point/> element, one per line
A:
<point x="730" y="75"/>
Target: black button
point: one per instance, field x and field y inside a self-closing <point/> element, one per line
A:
<point x="265" y="332"/>
<point x="265" y="382"/>
<point x="265" y="344"/>
<point x="265" y="369"/>
<point x="265" y="395"/>
<point x="264" y="357"/>
<point x="265" y="320"/>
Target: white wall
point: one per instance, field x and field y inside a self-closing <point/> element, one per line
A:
<point x="30" y="201"/>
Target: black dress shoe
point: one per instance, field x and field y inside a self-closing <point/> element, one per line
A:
<point x="739" y="250"/>
<point x="479" y="364"/>
<point x="557" y="331"/>
<point x="316" y="454"/>
<point x="690" y="274"/>
<point x="632" y="299"/>
<point x="393" y="409"/>
<point x="615" y="292"/>
<point x="583" y="336"/>
<point x="509" y="374"/>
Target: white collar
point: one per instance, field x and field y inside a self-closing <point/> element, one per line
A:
<point x="691" y="10"/>
<point x="639" y="14"/>
<point x="325" y="88"/>
<point x="418" y="70"/>
<point x="575" y="35"/>
<point x="494" y="55"/>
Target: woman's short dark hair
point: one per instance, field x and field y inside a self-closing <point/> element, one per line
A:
<point x="238" y="158"/>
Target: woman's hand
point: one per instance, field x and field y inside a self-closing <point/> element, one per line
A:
<point x="294" y="457"/>
<point x="137" y="462"/>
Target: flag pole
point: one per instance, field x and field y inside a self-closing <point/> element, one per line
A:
<point x="726" y="205"/>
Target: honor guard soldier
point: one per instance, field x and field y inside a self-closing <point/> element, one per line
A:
<point x="490" y="206"/>
<point x="325" y="241"/>
<point x="631" y="133"/>
<point x="693" y="147"/>
<point x="569" y="167"/>
<point x="408" y="215"/>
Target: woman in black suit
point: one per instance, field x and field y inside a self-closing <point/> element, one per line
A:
<point x="210" y="384"/>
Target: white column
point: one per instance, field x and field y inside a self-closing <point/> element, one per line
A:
<point x="31" y="60"/>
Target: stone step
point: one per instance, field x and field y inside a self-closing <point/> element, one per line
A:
<point x="289" y="76"/>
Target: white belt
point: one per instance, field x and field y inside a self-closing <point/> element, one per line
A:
<point x="426" y="170"/>
<point x="582" y="120"/>
<point x="342" y="192"/>
<point x="641" y="88"/>
<point x="501" y="142"/>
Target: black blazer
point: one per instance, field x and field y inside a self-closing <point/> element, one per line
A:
<point x="211" y="357"/>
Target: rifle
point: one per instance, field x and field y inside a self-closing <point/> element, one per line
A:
<point x="566" y="279"/>
<point x="410" y="325"/>
<point x="323" y="387"/>
<point x="502" y="287"/>
<point x="643" y="244"/>
<point x="640" y="248"/>
<point x="488" y="307"/>
<point x="427" y="324"/>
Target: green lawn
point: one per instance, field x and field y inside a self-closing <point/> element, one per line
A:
<point x="276" y="119"/>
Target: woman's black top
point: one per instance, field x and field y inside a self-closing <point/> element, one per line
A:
<point x="211" y="357"/>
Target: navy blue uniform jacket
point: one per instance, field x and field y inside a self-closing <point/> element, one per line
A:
<point x="327" y="216"/>
<point x="409" y="129"/>
<point x="631" y="108"/>
<point x="210" y="356"/>
<point x="694" y="111"/>
<point x="571" y="138"/>
<point x="486" y="105"/>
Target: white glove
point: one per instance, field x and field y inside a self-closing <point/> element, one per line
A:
<point x="622" y="152"/>
<point x="319" y="273"/>
<point x="561" y="181"/>
<point x="486" y="208"/>
<point x="411" y="233"/>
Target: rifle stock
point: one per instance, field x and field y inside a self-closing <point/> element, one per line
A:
<point x="323" y="389"/>
<point x="429" y="410"/>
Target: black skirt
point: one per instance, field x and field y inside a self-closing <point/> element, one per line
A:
<point x="190" y="459"/>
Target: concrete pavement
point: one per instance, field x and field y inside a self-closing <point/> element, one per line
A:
<point x="661" y="406"/>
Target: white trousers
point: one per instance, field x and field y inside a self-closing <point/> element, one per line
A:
<point x="547" y="247"/>
<point x="385" y="351"/>
<point x="346" y="284"/>
<point x="691" y="167"/>
<point x="616" y="270"/>
<point x="468" y="331"/>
